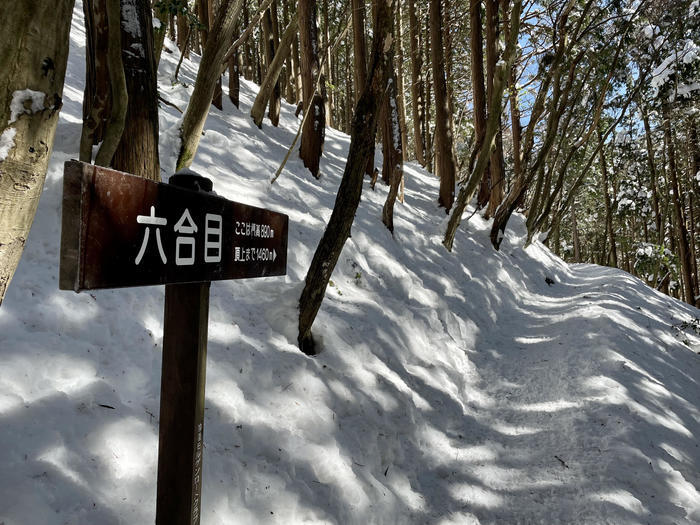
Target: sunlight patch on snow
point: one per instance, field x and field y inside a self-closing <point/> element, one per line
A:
<point x="476" y="496"/>
<point x="128" y="448"/>
<point x="508" y="429"/>
<point x="74" y="312"/>
<point x="60" y="458"/>
<point x="621" y="498"/>
<point x="548" y="406"/>
<point x="533" y="340"/>
<point x="34" y="379"/>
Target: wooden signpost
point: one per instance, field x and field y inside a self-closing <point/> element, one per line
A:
<point x="119" y="230"/>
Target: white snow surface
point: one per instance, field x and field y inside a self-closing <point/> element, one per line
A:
<point x="452" y="388"/>
<point x="7" y="142"/>
<point x="20" y="99"/>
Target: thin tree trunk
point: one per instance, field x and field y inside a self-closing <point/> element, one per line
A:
<point x="401" y="99"/>
<point x="653" y="177"/>
<point x="681" y="231"/>
<point x="361" y="142"/>
<point x="31" y="75"/>
<point x="209" y="72"/>
<point x="417" y="102"/>
<point x="612" y="261"/>
<point x="478" y="93"/>
<point x="327" y="63"/>
<point x="273" y="72"/>
<point x="234" y="77"/>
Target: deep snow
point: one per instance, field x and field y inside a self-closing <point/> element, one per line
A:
<point x="451" y="388"/>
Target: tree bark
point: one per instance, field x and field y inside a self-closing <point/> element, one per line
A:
<point x="207" y="76"/>
<point x="273" y="95"/>
<point x="360" y="62"/>
<point x="117" y="80"/>
<point x="443" y="135"/>
<point x="137" y="152"/>
<point x="267" y="87"/>
<point x="417" y="88"/>
<point x="476" y="42"/>
<point x="33" y="56"/>
<point x="96" y="97"/>
<point x="313" y="133"/>
<point x="681" y="230"/>
<point x="469" y="187"/>
<point x="497" y="165"/>
<point x="612" y="260"/>
<point x="361" y="142"/>
<point x="327" y="63"/>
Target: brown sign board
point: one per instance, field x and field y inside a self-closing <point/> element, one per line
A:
<point x="120" y="230"/>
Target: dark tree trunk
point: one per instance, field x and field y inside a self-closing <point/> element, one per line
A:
<point x="361" y="143"/>
<point x="271" y="49"/>
<point x="313" y="133"/>
<point x="137" y="151"/>
<point x="360" y="51"/>
<point x="479" y="94"/>
<point x="497" y="165"/>
<point x="417" y="87"/>
<point x="612" y="260"/>
<point x="443" y="136"/>
<point x="681" y="230"/>
<point x="96" y="98"/>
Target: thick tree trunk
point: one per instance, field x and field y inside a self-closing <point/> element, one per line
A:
<point x="33" y="57"/>
<point x="496" y="177"/>
<point x="443" y="135"/>
<point x="361" y="142"/>
<point x="313" y="133"/>
<point x="417" y="88"/>
<point x="137" y="152"/>
<point x="114" y="126"/>
<point x="207" y="76"/>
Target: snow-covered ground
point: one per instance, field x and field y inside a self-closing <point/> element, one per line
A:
<point x="451" y="388"/>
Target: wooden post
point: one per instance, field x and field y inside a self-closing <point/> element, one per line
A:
<point x="181" y="429"/>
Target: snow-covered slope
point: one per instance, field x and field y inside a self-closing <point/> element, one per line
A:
<point x="451" y="388"/>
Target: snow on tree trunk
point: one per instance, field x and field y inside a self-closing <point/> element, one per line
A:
<point x="313" y="133"/>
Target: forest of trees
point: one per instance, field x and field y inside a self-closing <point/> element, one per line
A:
<point x="584" y="115"/>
